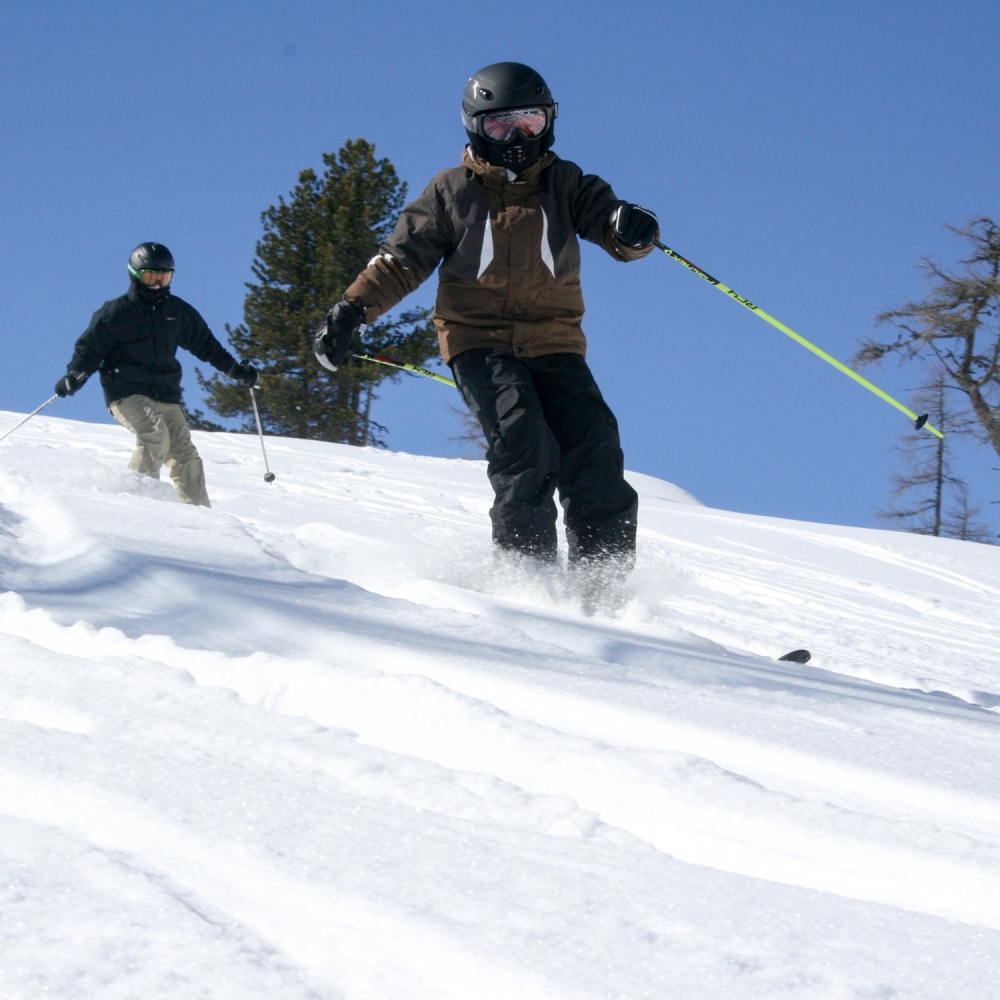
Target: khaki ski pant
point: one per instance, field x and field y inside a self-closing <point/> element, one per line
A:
<point x="162" y="437"/>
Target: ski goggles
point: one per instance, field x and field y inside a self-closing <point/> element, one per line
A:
<point x="150" y="277"/>
<point x="501" y="126"/>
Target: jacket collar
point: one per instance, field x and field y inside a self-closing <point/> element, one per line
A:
<point x="498" y="176"/>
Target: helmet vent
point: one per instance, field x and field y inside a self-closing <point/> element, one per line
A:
<point x="486" y="95"/>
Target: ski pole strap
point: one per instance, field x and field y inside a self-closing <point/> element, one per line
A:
<point x="381" y="359"/>
<point x="38" y="409"/>
<point x="920" y="422"/>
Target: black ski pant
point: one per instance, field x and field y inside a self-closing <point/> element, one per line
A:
<point x="548" y="428"/>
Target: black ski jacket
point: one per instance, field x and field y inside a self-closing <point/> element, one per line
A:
<point x="133" y="343"/>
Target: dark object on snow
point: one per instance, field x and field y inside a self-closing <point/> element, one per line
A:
<point x="797" y="656"/>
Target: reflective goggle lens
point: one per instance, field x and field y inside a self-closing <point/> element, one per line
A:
<point x="500" y="126"/>
<point x="148" y="277"/>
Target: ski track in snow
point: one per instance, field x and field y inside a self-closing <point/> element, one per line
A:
<point x="362" y="652"/>
<point x="681" y="802"/>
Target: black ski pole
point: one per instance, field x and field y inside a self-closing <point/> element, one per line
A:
<point x="39" y="409"/>
<point x="268" y="474"/>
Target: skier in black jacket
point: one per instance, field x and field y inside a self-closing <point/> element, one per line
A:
<point x="133" y="341"/>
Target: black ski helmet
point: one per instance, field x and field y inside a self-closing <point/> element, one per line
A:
<point x="499" y="87"/>
<point x="150" y="257"/>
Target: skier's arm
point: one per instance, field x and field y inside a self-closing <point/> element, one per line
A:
<point x="422" y="237"/>
<point x="624" y="230"/>
<point x="204" y="345"/>
<point x="92" y="346"/>
<point x="384" y="283"/>
<point x="88" y="353"/>
<point x="197" y="338"/>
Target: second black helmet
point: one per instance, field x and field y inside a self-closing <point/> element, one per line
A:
<point x="150" y="257"/>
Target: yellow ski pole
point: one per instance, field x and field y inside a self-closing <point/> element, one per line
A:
<point x="920" y="421"/>
<point x="404" y="366"/>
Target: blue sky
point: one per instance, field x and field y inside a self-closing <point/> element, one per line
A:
<point x="806" y="154"/>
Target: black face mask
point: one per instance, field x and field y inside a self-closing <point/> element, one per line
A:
<point x="515" y="156"/>
<point x="151" y="296"/>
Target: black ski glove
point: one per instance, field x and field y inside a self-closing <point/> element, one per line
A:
<point x="335" y="339"/>
<point x="244" y="374"/>
<point x="70" y="383"/>
<point x="635" y="226"/>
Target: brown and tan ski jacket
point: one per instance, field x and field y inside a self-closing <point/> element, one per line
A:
<point x="509" y="258"/>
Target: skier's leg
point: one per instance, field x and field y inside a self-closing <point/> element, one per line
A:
<point x="139" y="414"/>
<point x="522" y="456"/>
<point x="185" y="464"/>
<point x="599" y="506"/>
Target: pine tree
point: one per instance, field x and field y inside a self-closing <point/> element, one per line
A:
<point x="314" y="245"/>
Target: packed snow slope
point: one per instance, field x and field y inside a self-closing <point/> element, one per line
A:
<point x="314" y="743"/>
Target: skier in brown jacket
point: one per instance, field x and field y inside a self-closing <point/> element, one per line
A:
<point x="501" y="229"/>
